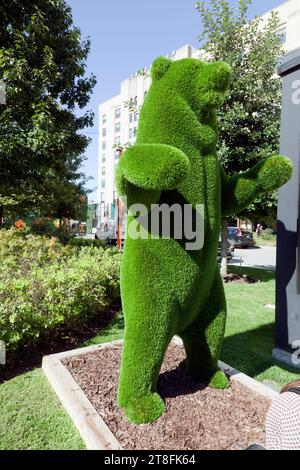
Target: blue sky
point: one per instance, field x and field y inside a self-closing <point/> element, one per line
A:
<point x="127" y="35"/>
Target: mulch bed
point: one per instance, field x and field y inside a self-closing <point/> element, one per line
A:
<point x="196" y="417"/>
<point x="61" y="339"/>
<point x="237" y="279"/>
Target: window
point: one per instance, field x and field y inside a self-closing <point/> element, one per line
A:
<point x="130" y="118"/>
<point x="103" y="171"/>
<point x="145" y="93"/>
<point x="103" y="184"/>
<point x="117" y="140"/>
<point x="117" y="155"/>
<point x="103" y="158"/>
<point x="117" y="127"/>
<point x="118" y="113"/>
<point x="130" y="133"/>
<point x="103" y="145"/>
<point x="282" y="35"/>
<point x="136" y="116"/>
<point x="104" y="132"/>
<point x="104" y="120"/>
<point x="134" y="131"/>
<point x="102" y="197"/>
<point x="135" y="101"/>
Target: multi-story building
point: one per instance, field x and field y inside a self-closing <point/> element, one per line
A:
<point x="289" y="29"/>
<point x="118" y="117"/>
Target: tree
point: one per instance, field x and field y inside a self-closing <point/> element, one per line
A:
<point x="42" y="63"/>
<point x="249" y="121"/>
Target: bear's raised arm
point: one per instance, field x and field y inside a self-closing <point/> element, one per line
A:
<point x="240" y="190"/>
<point x="151" y="167"/>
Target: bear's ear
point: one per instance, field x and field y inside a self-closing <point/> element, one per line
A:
<point x="159" y="67"/>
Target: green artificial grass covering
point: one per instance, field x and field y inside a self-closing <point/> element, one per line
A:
<point x="167" y="289"/>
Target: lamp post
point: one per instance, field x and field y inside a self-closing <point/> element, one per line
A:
<point x="287" y="348"/>
<point x="120" y="151"/>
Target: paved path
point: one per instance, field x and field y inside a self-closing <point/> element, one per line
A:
<point x="264" y="257"/>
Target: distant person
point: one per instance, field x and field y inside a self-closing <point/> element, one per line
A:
<point x="258" y="230"/>
<point x="283" y="420"/>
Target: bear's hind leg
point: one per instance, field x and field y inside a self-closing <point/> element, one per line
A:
<point x="148" y="332"/>
<point x="203" y="339"/>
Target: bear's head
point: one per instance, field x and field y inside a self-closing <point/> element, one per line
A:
<point x="203" y="85"/>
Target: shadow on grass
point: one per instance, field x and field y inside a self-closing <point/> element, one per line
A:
<point x="251" y="351"/>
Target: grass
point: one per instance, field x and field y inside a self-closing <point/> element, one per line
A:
<point x="31" y="416"/>
<point x="250" y="330"/>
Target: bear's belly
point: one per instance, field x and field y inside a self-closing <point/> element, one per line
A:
<point x="163" y="269"/>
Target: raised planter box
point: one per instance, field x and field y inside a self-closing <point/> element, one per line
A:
<point x="91" y="423"/>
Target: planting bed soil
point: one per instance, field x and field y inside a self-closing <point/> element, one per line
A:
<point x="196" y="416"/>
<point x="237" y="279"/>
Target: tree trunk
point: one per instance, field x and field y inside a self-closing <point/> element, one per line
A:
<point x="224" y="238"/>
<point x="1" y="216"/>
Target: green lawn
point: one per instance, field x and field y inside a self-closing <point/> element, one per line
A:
<point x="250" y="328"/>
<point x="32" y="418"/>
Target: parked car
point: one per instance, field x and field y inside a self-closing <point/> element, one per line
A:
<point x="230" y="249"/>
<point x="242" y="238"/>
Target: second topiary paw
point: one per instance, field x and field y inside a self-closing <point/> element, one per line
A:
<point x="146" y="409"/>
<point x="219" y="380"/>
<point x="275" y="172"/>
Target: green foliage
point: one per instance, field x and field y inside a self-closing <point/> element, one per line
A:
<point x="44" y="284"/>
<point x="42" y="62"/>
<point x="250" y="117"/>
<point x="267" y="238"/>
<point x="82" y="242"/>
<point x="166" y="289"/>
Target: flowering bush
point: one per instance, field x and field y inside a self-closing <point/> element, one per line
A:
<point x="44" y="284"/>
<point x="20" y="224"/>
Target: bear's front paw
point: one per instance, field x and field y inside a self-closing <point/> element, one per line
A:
<point x="146" y="409"/>
<point x="275" y="172"/>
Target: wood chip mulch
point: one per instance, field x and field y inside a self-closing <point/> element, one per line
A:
<point x="237" y="279"/>
<point x="196" y="417"/>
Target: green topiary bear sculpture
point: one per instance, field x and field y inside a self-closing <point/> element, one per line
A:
<point x="167" y="289"/>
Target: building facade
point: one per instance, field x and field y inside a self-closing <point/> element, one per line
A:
<point x="118" y="116"/>
<point x="118" y="122"/>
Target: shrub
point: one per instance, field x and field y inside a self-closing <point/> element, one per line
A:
<point x="268" y="234"/>
<point x="80" y="242"/>
<point x="44" y="285"/>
